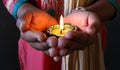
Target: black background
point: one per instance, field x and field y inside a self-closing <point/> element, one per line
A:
<point x="9" y="35"/>
<point x="112" y="50"/>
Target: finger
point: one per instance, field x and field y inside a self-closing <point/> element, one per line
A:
<point x="62" y="52"/>
<point x="57" y="58"/>
<point x="70" y="44"/>
<point x="23" y="23"/>
<point x="40" y="46"/>
<point x="64" y="45"/>
<point x="94" y="24"/>
<point x="20" y="23"/>
<point x="33" y="36"/>
<point x="62" y="42"/>
<point x="52" y="52"/>
<point x="52" y="41"/>
<point x="77" y="36"/>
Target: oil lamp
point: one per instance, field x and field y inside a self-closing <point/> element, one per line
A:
<point x="60" y="29"/>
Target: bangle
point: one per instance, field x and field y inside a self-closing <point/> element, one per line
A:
<point x="77" y="9"/>
<point x="16" y="6"/>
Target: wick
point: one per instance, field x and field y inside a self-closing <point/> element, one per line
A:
<point x="60" y="31"/>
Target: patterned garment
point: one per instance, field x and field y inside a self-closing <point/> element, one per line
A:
<point x="12" y="6"/>
<point x="55" y="5"/>
<point x="31" y="59"/>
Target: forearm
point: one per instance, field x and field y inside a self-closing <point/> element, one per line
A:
<point x="9" y="4"/>
<point x="13" y="5"/>
<point x="103" y="9"/>
<point x="24" y="8"/>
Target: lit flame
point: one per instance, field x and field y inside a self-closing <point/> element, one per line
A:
<point x="61" y="24"/>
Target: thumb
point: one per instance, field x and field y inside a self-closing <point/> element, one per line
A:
<point x="23" y="23"/>
<point x="94" y="24"/>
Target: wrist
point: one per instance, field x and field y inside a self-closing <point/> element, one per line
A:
<point x="101" y="8"/>
<point x="16" y="7"/>
<point x="25" y="8"/>
<point x="78" y="9"/>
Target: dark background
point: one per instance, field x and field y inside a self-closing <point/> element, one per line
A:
<point x="9" y="35"/>
<point x="112" y="50"/>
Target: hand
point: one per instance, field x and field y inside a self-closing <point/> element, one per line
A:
<point x="32" y="24"/>
<point x="88" y="24"/>
<point x="36" y="20"/>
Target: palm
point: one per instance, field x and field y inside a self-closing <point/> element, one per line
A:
<point x="84" y="20"/>
<point x="32" y="24"/>
<point x="88" y="24"/>
<point x="36" y="21"/>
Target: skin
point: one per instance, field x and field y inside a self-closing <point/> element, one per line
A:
<point x="88" y="24"/>
<point x="33" y="34"/>
<point x="73" y="40"/>
<point x="102" y="7"/>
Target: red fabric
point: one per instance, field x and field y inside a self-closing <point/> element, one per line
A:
<point x="32" y="59"/>
<point x="119" y="1"/>
<point x="103" y="36"/>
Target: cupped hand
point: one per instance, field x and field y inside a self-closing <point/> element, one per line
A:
<point x="36" y="20"/>
<point x="88" y="24"/>
<point x="32" y="26"/>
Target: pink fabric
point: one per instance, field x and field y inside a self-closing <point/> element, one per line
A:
<point x="9" y="4"/>
<point x="32" y="59"/>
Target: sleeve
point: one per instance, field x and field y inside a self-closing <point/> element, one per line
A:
<point x="115" y="4"/>
<point x="119" y="2"/>
<point x="12" y="6"/>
